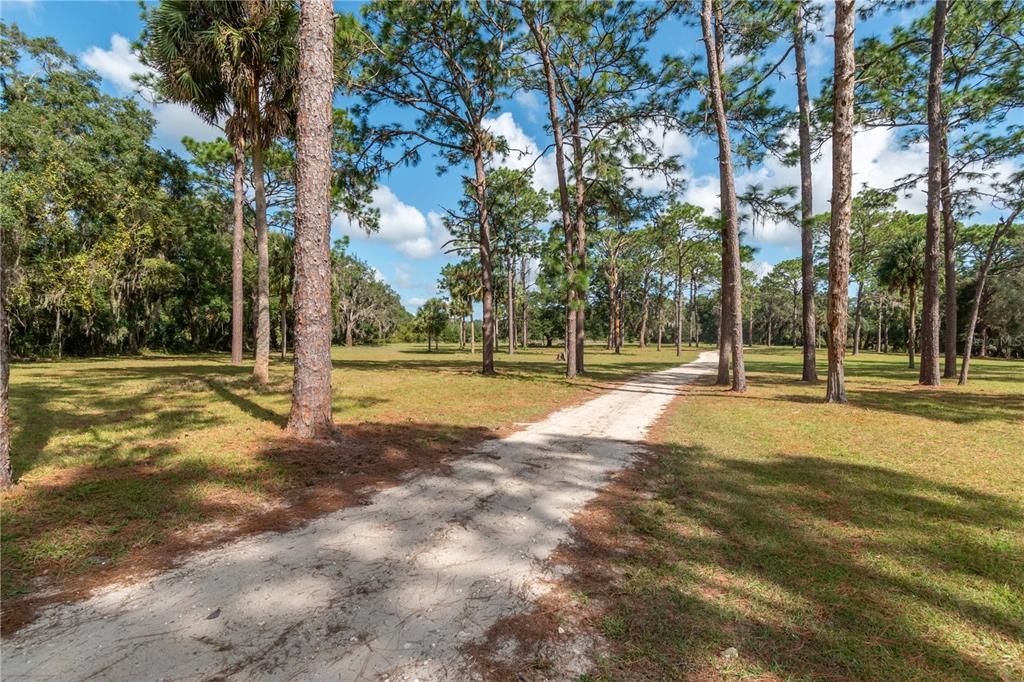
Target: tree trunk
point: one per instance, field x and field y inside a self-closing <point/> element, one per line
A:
<point x="978" y="293"/>
<point x="983" y="351"/>
<point x="261" y="369"/>
<point x="881" y="321"/>
<point x="511" y="307"/>
<point x="472" y="328"/>
<point x="661" y="307"/>
<point x="350" y="324"/>
<point x="6" y="475"/>
<point x="949" y="257"/>
<point x="238" y="254"/>
<point x="810" y="329"/>
<point x="679" y="305"/>
<point x="524" y="313"/>
<point x="912" y="326"/>
<point x="580" y="238"/>
<point x="694" y="332"/>
<point x="842" y="185"/>
<point x="857" y="316"/>
<point x="563" y="188"/>
<point x="731" y="241"/>
<point x="284" y="323"/>
<point x="311" y="389"/>
<point x="485" y="264"/>
<point x="930" y="315"/>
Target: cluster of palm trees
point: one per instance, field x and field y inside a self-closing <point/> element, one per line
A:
<point x="260" y="69"/>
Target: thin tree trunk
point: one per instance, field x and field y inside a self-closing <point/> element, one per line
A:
<point x="472" y="328"/>
<point x="810" y="333"/>
<point x="842" y="184"/>
<point x="511" y="307"/>
<point x="261" y="368"/>
<point x="563" y="188"/>
<point x="983" y="351"/>
<point x="580" y="238"/>
<point x="858" y="317"/>
<point x="694" y="333"/>
<point x="912" y="326"/>
<point x="929" y="375"/>
<point x="949" y="257"/>
<point x="661" y="307"/>
<point x="978" y="293"/>
<point x="6" y="474"/>
<point x="525" y="312"/>
<point x="679" y="304"/>
<point x="490" y="337"/>
<point x="238" y="254"/>
<point x="284" y="323"/>
<point x="731" y="241"/>
<point x="311" y="390"/>
<point x="881" y="321"/>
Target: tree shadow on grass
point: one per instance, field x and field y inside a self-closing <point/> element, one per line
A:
<point x="877" y="383"/>
<point x="89" y="526"/>
<point x="812" y="568"/>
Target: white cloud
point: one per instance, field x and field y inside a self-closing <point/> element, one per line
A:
<point x="116" y="67"/>
<point x="403" y="226"/>
<point x="878" y="161"/>
<point x="523" y="152"/>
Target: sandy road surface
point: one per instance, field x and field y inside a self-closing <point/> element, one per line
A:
<point x="392" y="589"/>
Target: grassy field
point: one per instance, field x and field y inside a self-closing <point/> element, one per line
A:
<point x="126" y="463"/>
<point x="883" y="540"/>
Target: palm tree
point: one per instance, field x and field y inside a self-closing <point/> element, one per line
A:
<point x="178" y="45"/>
<point x="257" y="44"/>
<point x="232" y="60"/>
<point x="901" y="269"/>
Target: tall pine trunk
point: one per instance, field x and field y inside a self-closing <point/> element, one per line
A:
<point x="261" y="369"/>
<point x="731" y="237"/>
<point x="238" y="253"/>
<point x="810" y="370"/>
<point x="930" y="315"/>
<point x="842" y="198"/>
<point x="858" y="317"/>
<point x="311" y="389"/>
<point x="510" y="277"/>
<point x="979" y="290"/>
<point x="949" y="258"/>
<point x="490" y="338"/>
<point x="536" y="30"/>
<point x="6" y="475"/>
<point x="912" y="326"/>
<point x="580" y="238"/>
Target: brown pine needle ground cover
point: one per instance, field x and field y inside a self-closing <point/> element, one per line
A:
<point x="879" y="541"/>
<point x="124" y="464"/>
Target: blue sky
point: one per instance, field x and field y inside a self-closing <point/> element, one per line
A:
<point x="406" y="252"/>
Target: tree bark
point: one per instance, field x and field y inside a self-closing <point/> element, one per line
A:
<point x="311" y="389"/>
<point x="661" y="306"/>
<point x="842" y="196"/>
<point x="525" y="312"/>
<point x="563" y="190"/>
<point x="810" y="333"/>
<point x="731" y="241"/>
<point x="580" y="239"/>
<point x="858" y="316"/>
<point x="929" y="375"/>
<point x="949" y="258"/>
<point x="912" y="326"/>
<point x="485" y="263"/>
<point x="472" y="328"/>
<point x="238" y="254"/>
<point x="284" y="323"/>
<point x="261" y="368"/>
<point x="978" y="293"/>
<point x="679" y="304"/>
<point x="6" y="474"/>
<point x="511" y="307"/>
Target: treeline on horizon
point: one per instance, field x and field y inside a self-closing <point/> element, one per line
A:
<point x="114" y="246"/>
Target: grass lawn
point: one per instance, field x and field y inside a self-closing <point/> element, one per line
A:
<point x="126" y="463"/>
<point x="883" y="540"/>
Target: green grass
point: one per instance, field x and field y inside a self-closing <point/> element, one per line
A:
<point x="117" y="456"/>
<point x="882" y="540"/>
